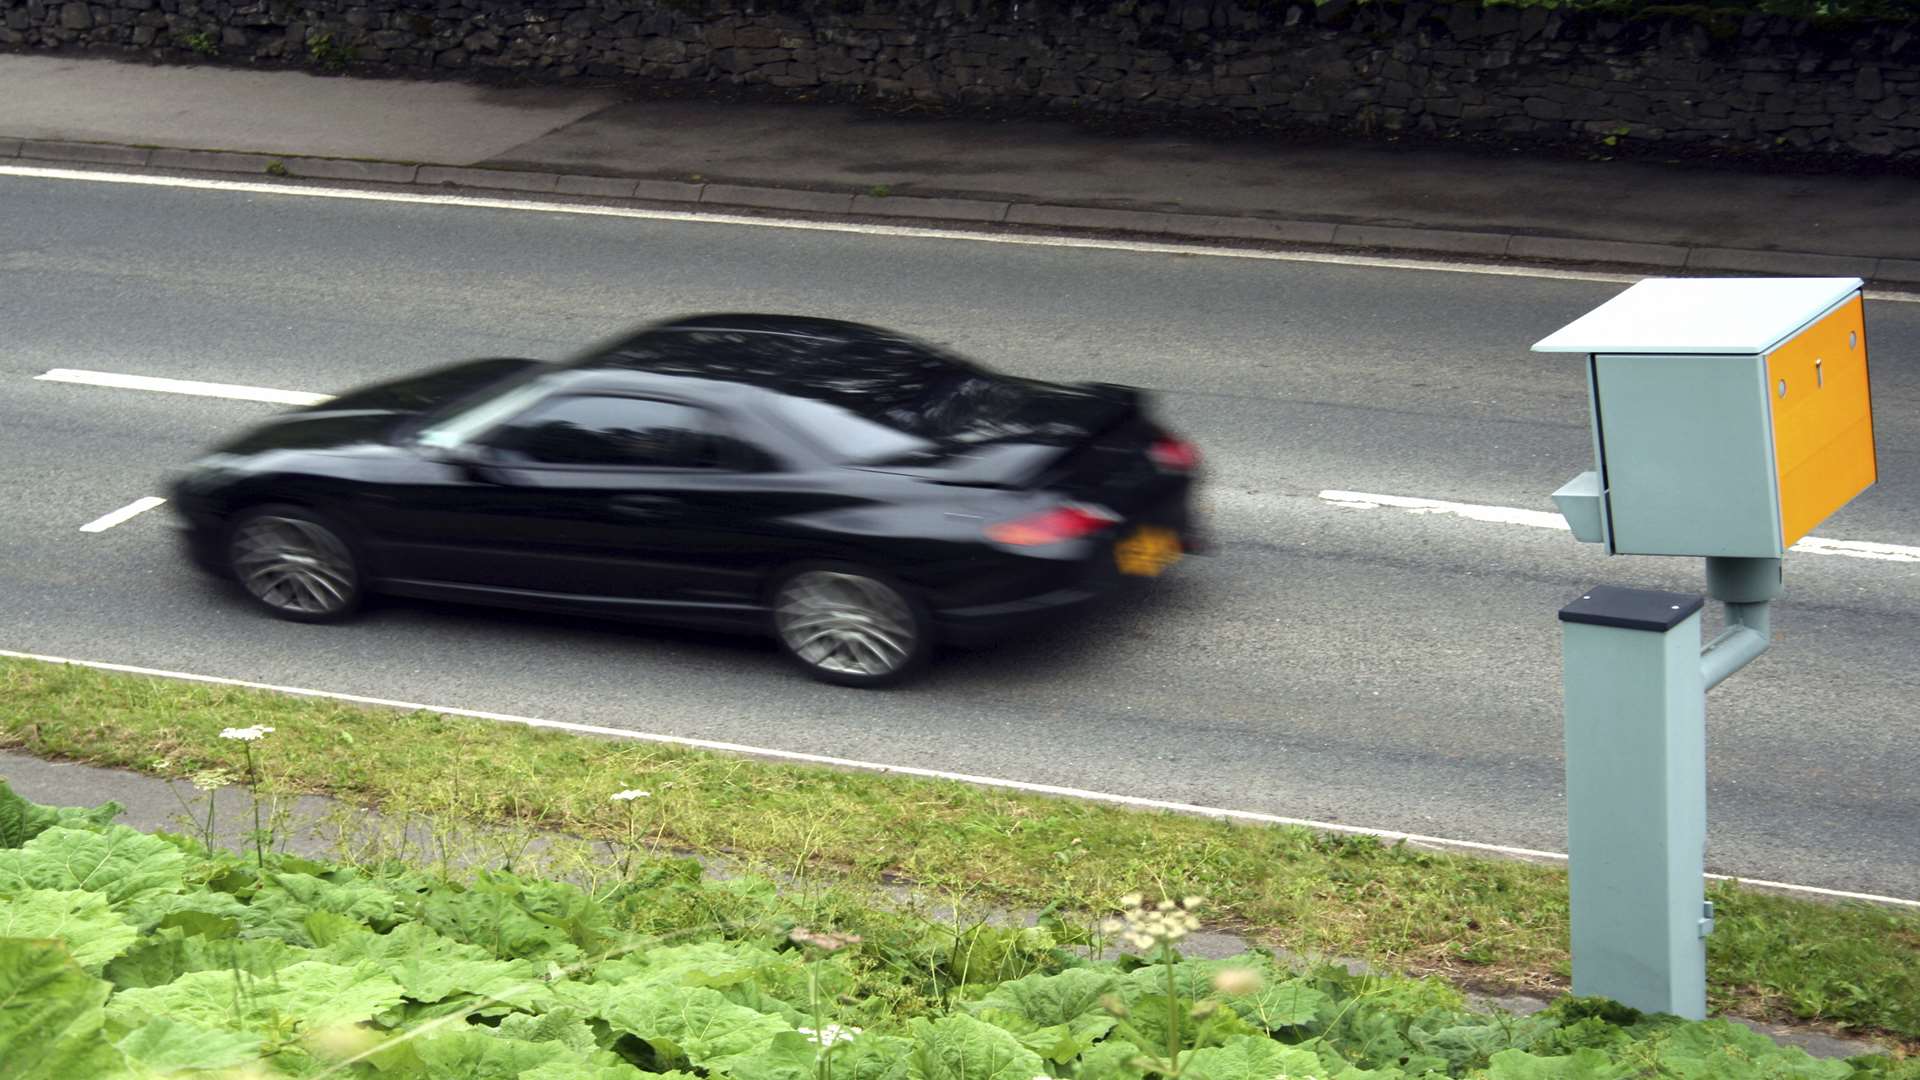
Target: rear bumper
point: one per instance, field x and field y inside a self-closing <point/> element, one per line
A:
<point x="1069" y="588"/>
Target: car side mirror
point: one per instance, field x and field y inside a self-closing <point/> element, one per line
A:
<point x="475" y="462"/>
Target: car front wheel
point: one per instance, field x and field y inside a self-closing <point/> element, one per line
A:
<point x="849" y="627"/>
<point x="295" y="563"/>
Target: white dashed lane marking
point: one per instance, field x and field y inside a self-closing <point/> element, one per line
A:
<point x="126" y="513"/>
<point x="181" y="386"/>
<point x="1546" y="519"/>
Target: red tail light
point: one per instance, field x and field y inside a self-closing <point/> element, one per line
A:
<point x="1174" y="455"/>
<point x="1052" y="526"/>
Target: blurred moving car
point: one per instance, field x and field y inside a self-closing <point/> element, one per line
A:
<point x="859" y="494"/>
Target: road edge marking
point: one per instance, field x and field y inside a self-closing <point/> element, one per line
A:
<point x="914" y="231"/>
<point x="1661" y="256"/>
<point x="1029" y="787"/>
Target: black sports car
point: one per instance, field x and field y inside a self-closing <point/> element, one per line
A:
<point x="860" y="494"/>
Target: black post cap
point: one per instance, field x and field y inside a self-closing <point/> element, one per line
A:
<point x="1631" y="609"/>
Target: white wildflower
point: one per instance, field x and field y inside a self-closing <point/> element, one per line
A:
<point x="1237" y="981"/>
<point x="832" y="1033"/>
<point x="631" y="794"/>
<point x="211" y="779"/>
<point x="246" y="734"/>
<point x="1146" y="924"/>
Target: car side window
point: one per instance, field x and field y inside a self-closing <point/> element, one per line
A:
<point x="604" y="430"/>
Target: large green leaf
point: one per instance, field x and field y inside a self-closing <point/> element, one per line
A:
<point x="1249" y="1057"/>
<point x="790" y="1056"/>
<point x="559" y="1024"/>
<point x="165" y="955"/>
<point x="118" y="863"/>
<point x="285" y="902"/>
<point x="872" y="1057"/>
<point x="963" y="1048"/>
<point x="1470" y="1046"/>
<point x="717" y="964"/>
<point x="1150" y="1018"/>
<point x="567" y="908"/>
<point x="154" y="909"/>
<point x="1113" y="1060"/>
<point x="1058" y="1043"/>
<point x="691" y="1022"/>
<point x="495" y="921"/>
<point x="1584" y="1064"/>
<point x="92" y="932"/>
<point x="559" y="1070"/>
<point x="1046" y="1000"/>
<point x="164" y="1045"/>
<point x="1289" y="1003"/>
<point x="21" y="821"/>
<point x="50" y="1015"/>
<point x="746" y="974"/>
<point x="1717" y="1049"/>
<point x="457" y="1052"/>
<point x="312" y="994"/>
<point x="431" y="967"/>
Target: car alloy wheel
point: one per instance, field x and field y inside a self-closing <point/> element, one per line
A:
<point x="848" y="628"/>
<point x="294" y="565"/>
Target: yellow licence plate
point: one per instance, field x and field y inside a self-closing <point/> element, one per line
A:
<point x="1148" y="551"/>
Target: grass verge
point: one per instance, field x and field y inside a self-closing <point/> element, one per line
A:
<point x="1480" y="922"/>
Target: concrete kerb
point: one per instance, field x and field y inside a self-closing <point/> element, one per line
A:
<point x="1158" y="225"/>
<point x="510" y="180"/>
<point x="768" y="198"/>
<point x="210" y="161"/>
<point x="374" y="172"/>
<point x="91" y="153"/>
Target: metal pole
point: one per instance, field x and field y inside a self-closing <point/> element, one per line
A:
<point x="1744" y="587"/>
<point x="1636" y="798"/>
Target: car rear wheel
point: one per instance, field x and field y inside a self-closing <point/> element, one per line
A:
<point x="849" y="627"/>
<point x="295" y="563"/>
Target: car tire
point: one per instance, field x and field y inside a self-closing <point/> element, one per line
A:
<point x="850" y="626"/>
<point x="296" y="563"/>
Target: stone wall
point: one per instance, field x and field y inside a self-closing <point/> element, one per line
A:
<point x="1757" y="84"/>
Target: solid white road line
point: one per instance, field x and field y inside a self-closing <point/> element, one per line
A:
<point x="131" y="510"/>
<point x="1543" y="519"/>
<point x="1134" y="801"/>
<point x="1028" y="240"/>
<point x="182" y="386"/>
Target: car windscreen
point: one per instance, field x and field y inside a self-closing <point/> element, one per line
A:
<point x="481" y="411"/>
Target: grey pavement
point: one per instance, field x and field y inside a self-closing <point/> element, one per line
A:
<point x="1045" y="173"/>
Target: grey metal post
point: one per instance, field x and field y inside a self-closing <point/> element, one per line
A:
<point x="1637" y="797"/>
<point x="1745" y="587"/>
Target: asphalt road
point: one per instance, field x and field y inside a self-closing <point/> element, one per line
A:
<point x="1371" y="667"/>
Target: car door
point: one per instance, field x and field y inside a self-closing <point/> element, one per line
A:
<point x="688" y="511"/>
<point x="597" y="497"/>
<point x="608" y="502"/>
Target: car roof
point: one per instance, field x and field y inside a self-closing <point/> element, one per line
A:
<point x="788" y="354"/>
